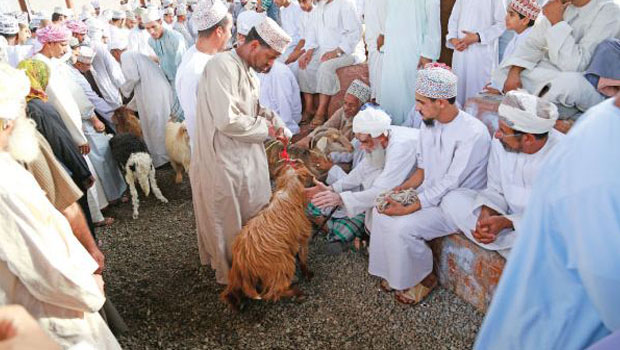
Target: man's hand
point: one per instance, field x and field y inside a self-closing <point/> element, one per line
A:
<point x="513" y="81"/>
<point x="99" y="258"/>
<point x="487" y="228"/>
<point x="326" y="199"/>
<point x="305" y="59"/>
<point x="316" y="189"/>
<point x="470" y="38"/>
<point x="330" y="55"/>
<point x="84" y="149"/>
<point x="554" y="11"/>
<point x="423" y="62"/>
<point x="489" y="90"/>
<point x="154" y="59"/>
<point x="97" y="124"/>
<point x="380" y="41"/>
<point x="455" y="42"/>
<point x="395" y="208"/>
<point x="19" y="330"/>
<point x="294" y="56"/>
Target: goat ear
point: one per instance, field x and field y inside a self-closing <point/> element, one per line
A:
<point x="322" y="144"/>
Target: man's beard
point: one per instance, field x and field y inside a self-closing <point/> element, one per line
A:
<point x="508" y="148"/>
<point x="23" y="145"/>
<point x="376" y="157"/>
<point x="428" y="122"/>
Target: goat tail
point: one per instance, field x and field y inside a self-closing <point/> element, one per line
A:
<point x="239" y="282"/>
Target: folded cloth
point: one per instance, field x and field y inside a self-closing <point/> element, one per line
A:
<point x="605" y="63"/>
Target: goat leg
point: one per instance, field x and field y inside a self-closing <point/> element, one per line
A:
<point x="303" y="263"/>
<point x="154" y="186"/>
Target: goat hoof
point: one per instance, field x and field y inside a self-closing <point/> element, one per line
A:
<point x="179" y="178"/>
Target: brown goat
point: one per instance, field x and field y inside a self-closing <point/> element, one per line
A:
<point x="125" y="121"/>
<point x="309" y="158"/>
<point x="329" y="140"/>
<point x="264" y="252"/>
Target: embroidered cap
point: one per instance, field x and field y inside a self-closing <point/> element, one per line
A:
<point x="527" y="8"/>
<point x="273" y="34"/>
<point x="8" y="25"/>
<point x="151" y="15"/>
<point x="86" y="55"/>
<point x="437" y="81"/>
<point x="208" y="14"/>
<point x="119" y="14"/>
<point x="360" y="90"/>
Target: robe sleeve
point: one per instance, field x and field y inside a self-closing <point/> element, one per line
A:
<point x="431" y="40"/>
<point x="493" y="195"/>
<point x="50" y="277"/>
<point x="114" y="69"/>
<point x="351" y="28"/>
<point x="130" y="70"/>
<point x="453" y="24"/>
<point x="398" y="166"/>
<point x="531" y="50"/>
<point x="572" y="56"/>
<point x="310" y="32"/>
<point x="490" y="34"/>
<point x="219" y="90"/>
<point x="465" y="154"/>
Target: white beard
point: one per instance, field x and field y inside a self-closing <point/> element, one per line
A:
<point x="23" y="145"/>
<point x="376" y="157"/>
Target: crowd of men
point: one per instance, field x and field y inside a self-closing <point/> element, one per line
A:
<point x="241" y="72"/>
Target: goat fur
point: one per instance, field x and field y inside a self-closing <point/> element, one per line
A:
<point x="177" y="146"/>
<point x="126" y="122"/>
<point x="264" y="252"/>
<point x="309" y="158"/>
<point x="136" y="163"/>
<point x="329" y="140"/>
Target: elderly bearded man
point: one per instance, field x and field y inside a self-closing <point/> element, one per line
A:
<point x="524" y="140"/>
<point x="389" y="157"/>
<point x="452" y="154"/>
<point x="229" y="172"/>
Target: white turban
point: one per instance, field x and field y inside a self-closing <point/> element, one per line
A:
<point x="371" y="121"/>
<point x="152" y="14"/>
<point x="248" y="20"/>
<point x="119" y="41"/>
<point x="14" y="86"/>
<point x="85" y="55"/>
<point x="527" y="113"/>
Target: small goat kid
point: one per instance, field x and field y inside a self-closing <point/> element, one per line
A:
<point x="263" y="254"/>
<point x="177" y="146"/>
<point x="125" y="121"/>
<point x="136" y="163"/>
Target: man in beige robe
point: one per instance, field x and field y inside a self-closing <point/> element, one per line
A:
<point x="229" y="172"/>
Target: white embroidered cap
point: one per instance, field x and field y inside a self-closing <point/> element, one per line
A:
<point x="527" y="113"/>
<point x="273" y="34"/>
<point x="169" y="11"/>
<point x="117" y="14"/>
<point x="527" y="8"/>
<point x="248" y="20"/>
<point x="360" y="90"/>
<point x="436" y="81"/>
<point x="86" y="55"/>
<point x="208" y="14"/>
<point x="8" y="25"/>
<point x="152" y="14"/>
<point x="181" y="11"/>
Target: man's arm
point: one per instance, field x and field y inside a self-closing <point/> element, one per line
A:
<point x="80" y="229"/>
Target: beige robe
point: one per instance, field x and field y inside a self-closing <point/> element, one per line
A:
<point x="229" y="172"/>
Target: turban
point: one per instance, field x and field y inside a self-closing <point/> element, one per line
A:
<point x="436" y="81"/>
<point x="39" y="75"/>
<point x="119" y="15"/>
<point x="85" y="55"/>
<point x="106" y="15"/>
<point x="118" y="42"/>
<point x="360" y="90"/>
<point x="246" y="21"/>
<point x="14" y="87"/>
<point x="8" y="25"/>
<point x="95" y="29"/>
<point x="207" y="15"/>
<point x="53" y="33"/>
<point x="527" y="8"/>
<point x="77" y="27"/>
<point x="373" y="121"/>
<point x="152" y="14"/>
<point x="527" y="113"/>
<point x="273" y="34"/>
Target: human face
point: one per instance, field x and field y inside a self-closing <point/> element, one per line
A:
<point x="224" y="34"/>
<point x="83" y="67"/>
<point x="80" y="37"/>
<point x="514" y="22"/>
<point x="59" y="49"/>
<point x="351" y="105"/>
<point x="505" y="135"/>
<point x="23" y="35"/>
<point x="130" y="23"/>
<point x="262" y="58"/>
<point x="306" y="5"/>
<point x="169" y="19"/>
<point x="367" y="143"/>
<point x="428" y="108"/>
<point x="281" y="3"/>
<point x="155" y="29"/>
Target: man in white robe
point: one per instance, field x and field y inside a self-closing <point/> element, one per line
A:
<point x="181" y="26"/>
<point x="43" y="266"/>
<point x="330" y="45"/>
<point x="375" y="12"/>
<point x="389" y="158"/>
<point x="473" y="32"/>
<point x="139" y="37"/>
<point x="229" y="172"/>
<point x="452" y="154"/>
<point x="290" y="15"/>
<point x="522" y="143"/>
<point x="552" y="60"/>
<point x="152" y="99"/>
<point x="412" y="39"/>
<point x="214" y="30"/>
<point x="16" y="52"/>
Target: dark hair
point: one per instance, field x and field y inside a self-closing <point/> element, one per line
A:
<point x="207" y="32"/>
<point x="536" y="136"/>
<point x="56" y="16"/>
<point x="9" y="36"/>
<point x="530" y="24"/>
<point x="253" y="35"/>
<point x="451" y="100"/>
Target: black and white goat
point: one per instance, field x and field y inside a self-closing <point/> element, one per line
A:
<point x="136" y="163"/>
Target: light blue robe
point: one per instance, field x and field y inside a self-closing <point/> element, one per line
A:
<point x="412" y="29"/>
<point x="170" y="49"/>
<point x="561" y="286"/>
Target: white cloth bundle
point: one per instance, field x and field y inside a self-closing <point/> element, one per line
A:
<point x="405" y="197"/>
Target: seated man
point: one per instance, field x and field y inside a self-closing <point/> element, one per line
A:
<point x="452" y="154"/>
<point x="524" y="140"/>
<point x="388" y="159"/>
<point x="550" y="63"/>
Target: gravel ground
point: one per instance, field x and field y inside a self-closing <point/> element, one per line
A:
<point x="170" y="301"/>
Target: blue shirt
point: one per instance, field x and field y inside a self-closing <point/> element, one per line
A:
<point x="561" y="286"/>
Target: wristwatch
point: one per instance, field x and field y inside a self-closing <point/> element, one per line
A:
<point x="339" y="52"/>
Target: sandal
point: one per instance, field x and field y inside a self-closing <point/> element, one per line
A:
<point x="305" y="118"/>
<point x="385" y="286"/>
<point x="417" y="293"/>
<point x="107" y="221"/>
<point x="318" y="121"/>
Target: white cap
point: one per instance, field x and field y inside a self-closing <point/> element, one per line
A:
<point x="119" y="41"/>
<point x="527" y="113"/>
<point x="273" y="34"/>
<point x="85" y="54"/>
<point x="62" y="11"/>
<point x="95" y="4"/>
<point x="166" y="3"/>
<point x="169" y="11"/>
<point x="14" y="87"/>
<point x="119" y="14"/>
<point x="207" y="15"/>
<point x="371" y="121"/>
<point x="8" y="25"/>
<point x="152" y="14"/>
<point x="247" y="20"/>
<point x="181" y="11"/>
